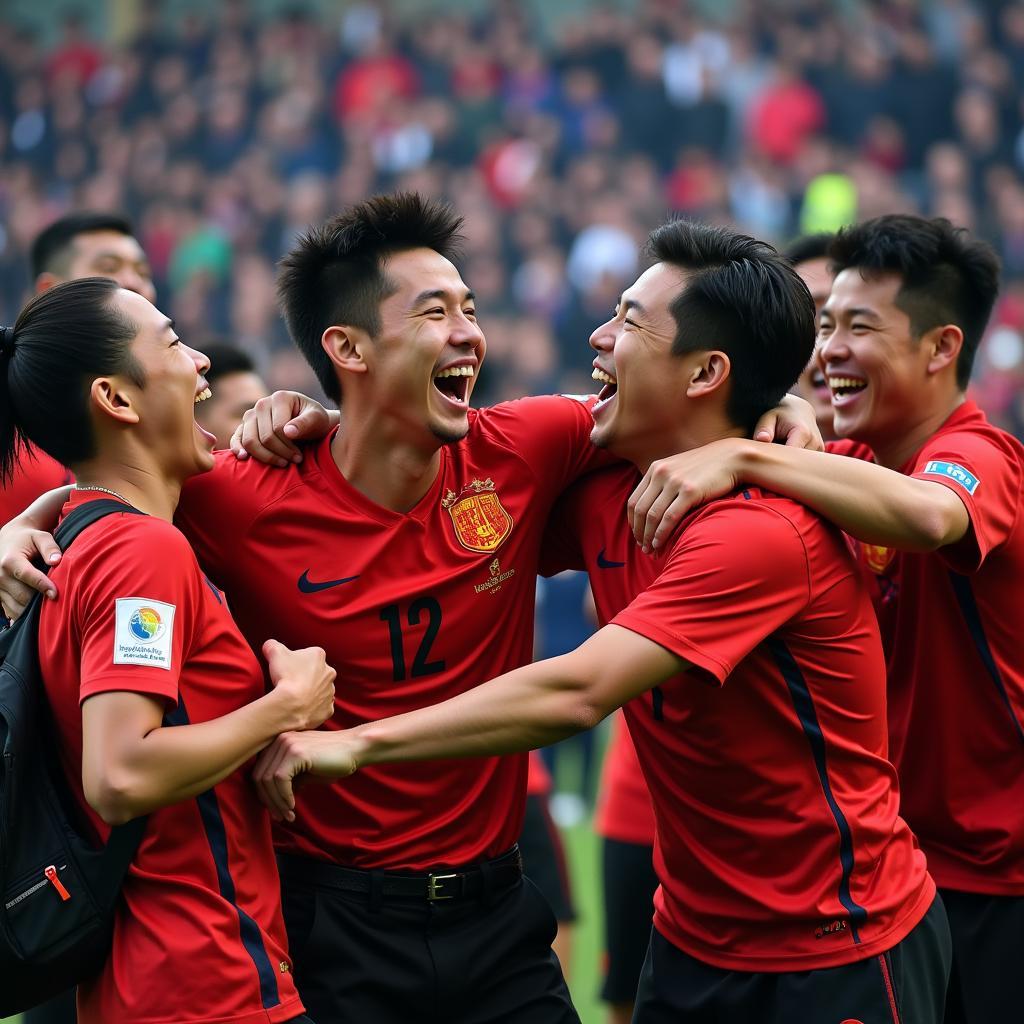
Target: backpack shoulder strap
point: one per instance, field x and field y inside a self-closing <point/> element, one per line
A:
<point x="124" y="839"/>
<point x="82" y="517"/>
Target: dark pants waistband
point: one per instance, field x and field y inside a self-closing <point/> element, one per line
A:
<point x="444" y="884"/>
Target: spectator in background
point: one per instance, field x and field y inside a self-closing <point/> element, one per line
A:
<point x="235" y="386"/>
<point x="91" y="245"/>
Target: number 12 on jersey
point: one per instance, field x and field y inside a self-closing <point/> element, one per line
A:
<point x="421" y="665"/>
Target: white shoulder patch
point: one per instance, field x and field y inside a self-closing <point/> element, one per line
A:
<point x="143" y="632"/>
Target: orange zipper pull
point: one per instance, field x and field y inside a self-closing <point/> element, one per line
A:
<point x="51" y="874"/>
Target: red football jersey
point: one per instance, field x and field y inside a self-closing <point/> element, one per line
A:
<point x="624" y="810"/>
<point x="779" y="846"/>
<point x="36" y="473"/>
<point x="199" y="934"/>
<point x="411" y="608"/>
<point x="952" y="622"/>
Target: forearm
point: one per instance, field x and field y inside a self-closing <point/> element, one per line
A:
<point x="174" y="763"/>
<point x="526" y="708"/>
<point x="872" y="504"/>
<point x="529" y="707"/>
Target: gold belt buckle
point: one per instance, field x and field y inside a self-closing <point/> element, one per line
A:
<point x="435" y="883"/>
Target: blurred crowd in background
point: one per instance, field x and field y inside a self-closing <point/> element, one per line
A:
<point x="223" y="133"/>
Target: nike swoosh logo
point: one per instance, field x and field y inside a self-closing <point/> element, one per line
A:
<point x="603" y="563"/>
<point x="307" y="586"/>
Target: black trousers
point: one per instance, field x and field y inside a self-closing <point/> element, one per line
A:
<point x="544" y="858"/>
<point x="988" y="956"/>
<point x="60" y="1010"/>
<point x="393" y="960"/>
<point x="906" y="985"/>
<point x="627" y="873"/>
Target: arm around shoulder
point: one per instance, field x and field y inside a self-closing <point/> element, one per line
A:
<point x="867" y="501"/>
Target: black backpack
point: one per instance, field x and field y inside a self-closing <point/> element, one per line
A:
<point x="58" y="892"/>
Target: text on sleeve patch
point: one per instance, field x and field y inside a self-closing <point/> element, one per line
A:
<point x="964" y="477"/>
<point x="143" y="632"/>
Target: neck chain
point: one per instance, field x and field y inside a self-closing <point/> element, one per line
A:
<point x="105" y="490"/>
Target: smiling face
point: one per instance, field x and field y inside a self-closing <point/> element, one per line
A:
<point x="174" y="385"/>
<point x="421" y="366"/>
<point x="644" y="383"/>
<point x="876" y="369"/>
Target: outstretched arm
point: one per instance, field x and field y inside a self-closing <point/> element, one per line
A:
<point x="869" y="502"/>
<point x="529" y="707"/>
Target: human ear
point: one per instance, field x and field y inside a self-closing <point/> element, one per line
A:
<point x="344" y="346"/>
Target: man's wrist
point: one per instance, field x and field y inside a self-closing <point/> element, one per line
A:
<point x="742" y="455"/>
<point x="366" y="744"/>
<point x="282" y="711"/>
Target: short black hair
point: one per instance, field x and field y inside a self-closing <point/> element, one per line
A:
<point x="63" y="339"/>
<point x="809" y="247"/>
<point x="948" y="276"/>
<point x="52" y="245"/>
<point x="225" y="359"/>
<point x="744" y="298"/>
<point x="335" y="274"/>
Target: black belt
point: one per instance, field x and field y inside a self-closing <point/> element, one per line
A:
<point x="460" y="883"/>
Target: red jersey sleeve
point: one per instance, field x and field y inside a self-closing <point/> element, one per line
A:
<point x="135" y="611"/>
<point x="737" y="573"/>
<point x="986" y="476"/>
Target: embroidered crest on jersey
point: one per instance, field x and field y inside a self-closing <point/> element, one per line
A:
<point x="480" y="520"/>
<point x="493" y="585"/>
<point x="951" y="471"/>
<point x="143" y="632"/>
<point x="878" y="558"/>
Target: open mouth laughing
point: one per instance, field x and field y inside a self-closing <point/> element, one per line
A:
<point x="610" y="389"/>
<point x="201" y="396"/>
<point x="454" y="383"/>
<point x="846" y="388"/>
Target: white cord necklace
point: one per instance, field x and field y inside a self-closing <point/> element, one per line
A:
<point x="105" y="490"/>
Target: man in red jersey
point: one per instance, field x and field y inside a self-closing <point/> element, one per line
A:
<point x="77" y="245"/>
<point x="941" y="539"/>
<point x="750" y="667"/>
<point x="157" y="701"/>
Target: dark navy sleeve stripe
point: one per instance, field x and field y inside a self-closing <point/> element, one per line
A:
<point x="972" y="617"/>
<point x="216" y="836"/>
<point x="803" y="702"/>
<point x="658" y="704"/>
